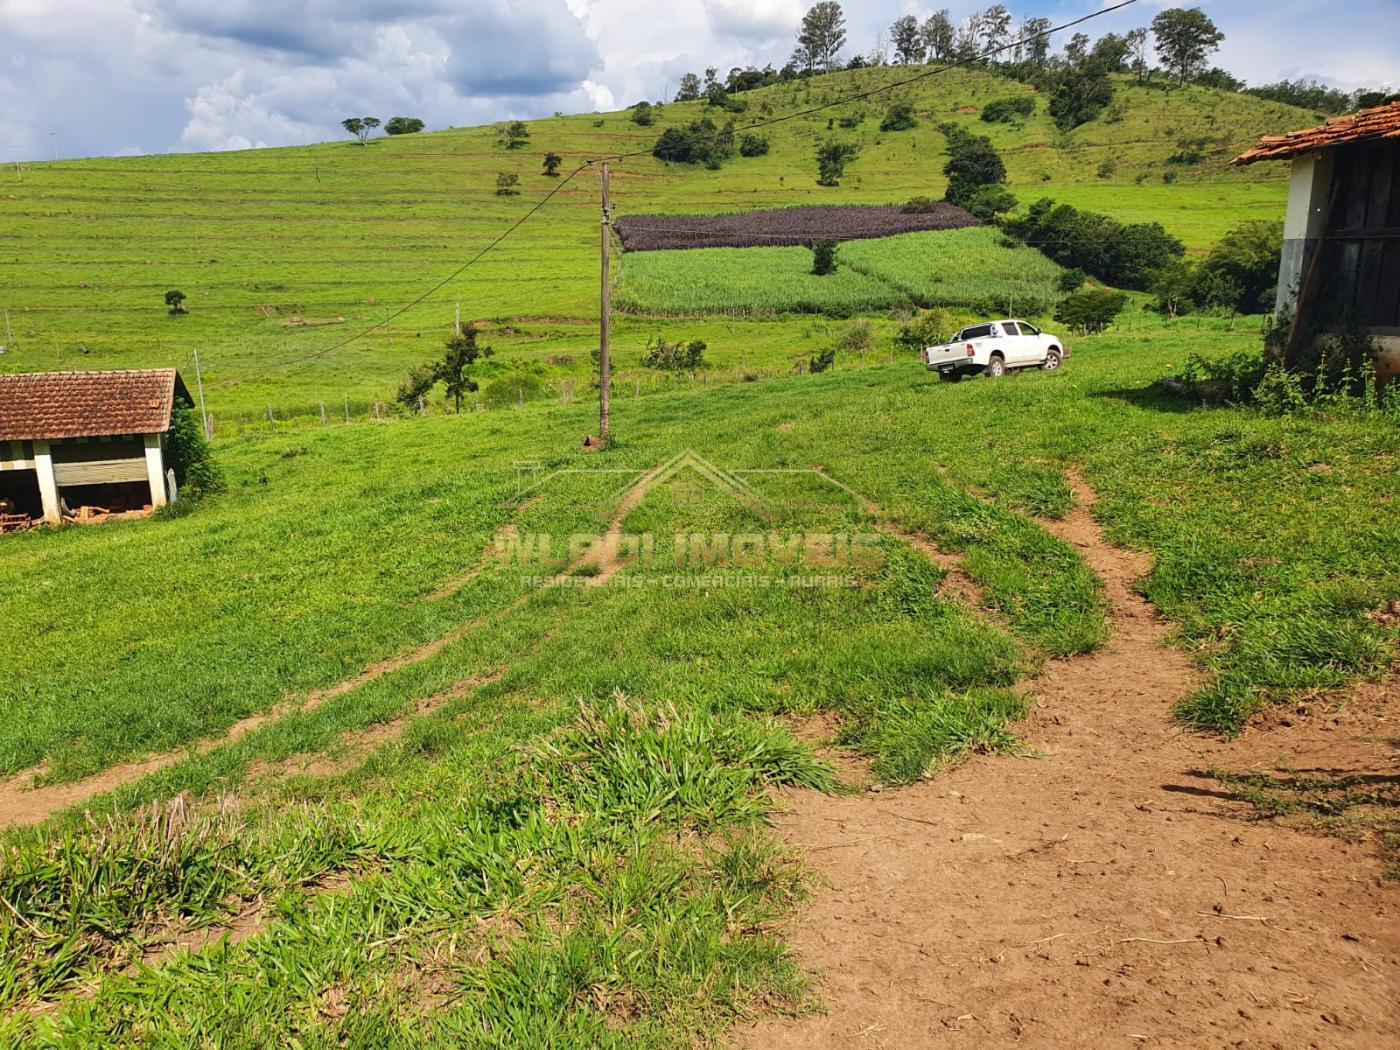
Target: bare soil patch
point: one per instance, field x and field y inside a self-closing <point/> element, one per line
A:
<point x="784" y="226"/>
<point x="1101" y="890"/>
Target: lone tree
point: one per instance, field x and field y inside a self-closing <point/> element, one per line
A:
<point x="823" y="257"/>
<point x="938" y="34"/>
<point x="689" y="89"/>
<point x="360" y="127"/>
<point x="452" y="370"/>
<point x="552" y="161"/>
<point x="643" y="115"/>
<point x="507" y="184"/>
<point x="514" y="135"/>
<point x="403" y="126"/>
<point x="1185" y="39"/>
<point x="175" y="300"/>
<point x="974" y="164"/>
<point x="832" y="158"/>
<point x="823" y="35"/>
<point x="907" y="41"/>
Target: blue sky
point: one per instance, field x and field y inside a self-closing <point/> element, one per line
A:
<point x="89" y="77"/>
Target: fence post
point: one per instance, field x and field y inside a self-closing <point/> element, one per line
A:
<point x="347" y="408"/>
<point x="376" y="409"/>
<point x="271" y="419"/>
<point x="323" y="413"/>
<point x="420" y="404"/>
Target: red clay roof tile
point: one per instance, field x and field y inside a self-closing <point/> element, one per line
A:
<point x="36" y="405"/>
<point x="1378" y="122"/>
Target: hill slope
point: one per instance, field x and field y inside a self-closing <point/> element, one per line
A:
<point x="284" y="253"/>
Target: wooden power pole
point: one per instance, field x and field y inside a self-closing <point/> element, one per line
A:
<point x="605" y="325"/>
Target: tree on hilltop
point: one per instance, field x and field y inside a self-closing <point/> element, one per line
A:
<point x="403" y="126"/>
<point x="938" y="34"/>
<point x="360" y="127"/>
<point x="514" y="135"/>
<point x="823" y="35"/>
<point x="907" y="41"/>
<point x="1185" y="39"/>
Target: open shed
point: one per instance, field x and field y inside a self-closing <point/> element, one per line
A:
<point x="1340" y="266"/>
<point x="73" y="440"/>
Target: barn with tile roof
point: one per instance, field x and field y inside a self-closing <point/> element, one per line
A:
<point x="81" y="446"/>
<point x="1340" y="266"/>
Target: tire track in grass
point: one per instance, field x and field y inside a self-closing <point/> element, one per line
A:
<point x="22" y="803"/>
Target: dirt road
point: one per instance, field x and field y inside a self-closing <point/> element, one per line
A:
<point x="1104" y="892"/>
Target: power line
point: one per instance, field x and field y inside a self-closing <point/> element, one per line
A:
<point x="854" y="97"/>
<point x="442" y="283"/>
<point x="894" y="85"/>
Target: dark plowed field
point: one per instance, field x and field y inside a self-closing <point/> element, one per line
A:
<point x="783" y="226"/>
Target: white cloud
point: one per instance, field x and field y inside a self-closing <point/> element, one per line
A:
<point x="220" y="74"/>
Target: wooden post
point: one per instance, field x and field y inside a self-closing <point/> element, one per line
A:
<point x="347" y="408"/>
<point x="271" y="419"/>
<point x="323" y="413"/>
<point x="605" y="324"/>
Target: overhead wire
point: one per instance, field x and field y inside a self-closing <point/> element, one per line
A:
<point x="765" y="123"/>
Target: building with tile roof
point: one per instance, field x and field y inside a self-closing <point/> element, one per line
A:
<point x="1340" y="265"/>
<point x="94" y="440"/>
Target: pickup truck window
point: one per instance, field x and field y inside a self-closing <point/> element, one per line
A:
<point x="1029" y="329"/>
<point x="977" y="331"/>
<point x="1011" y="328"/>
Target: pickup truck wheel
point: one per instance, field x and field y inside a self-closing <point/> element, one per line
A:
<point x="996" y="367"/>
<point x="950" y="377"/>
<point x="1051" y="362"/>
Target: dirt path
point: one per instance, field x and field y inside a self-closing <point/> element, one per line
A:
<point x="23" y="804"/>
<point x="1100" y="893"/>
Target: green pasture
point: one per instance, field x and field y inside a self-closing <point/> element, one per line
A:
<point x="952" y="268"/>
<point x="286" y="253"/>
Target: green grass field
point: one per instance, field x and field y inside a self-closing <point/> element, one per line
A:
<point x="285" y="253"/>
<point x="480" y="812"/>
<point x="953" y="268"/>
<point x="509" y="855"/>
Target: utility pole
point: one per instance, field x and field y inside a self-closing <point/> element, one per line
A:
<point x="203" y="412"/>
<point x="53" y="139"/>
<point x="605" y="325"/>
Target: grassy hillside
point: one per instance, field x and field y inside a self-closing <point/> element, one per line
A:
<point x="549" y="818"/>
<point x="283" y="253"/>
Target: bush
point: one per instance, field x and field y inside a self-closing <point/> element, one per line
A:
<point x="922" y="206"/>
<point x="832" y="158"/>
<point x="929" y="328"/>
<point x="507" y="184"/>
<point x="1072" y="280"/>
<point x="1091" y="310"/>
<point x="1230" y="379"/>
<point x="1079" y="95"/>
<point x="1189" y="151"/>
<point x="753" y="146"/>
<point x="189" y="455"/>
<point x="699" y="142"/>
<point x="403" y="126"/>
<point x="513" y="388"/>
<point x="859" y="337"/>
<point x="674" y="357"/>
<point x="643" y="115"/>
<point x="824" y="258"/>
<point x="975" y="163"/>
<point x="823" y="360"/>
<point x="1124" y="255"/>
<point x="1006" y="110"/>
<point x="900" y="117"/>
<point x="990" y="201"/>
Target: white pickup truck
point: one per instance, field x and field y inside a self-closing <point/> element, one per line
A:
<point x="995" y="347"/>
